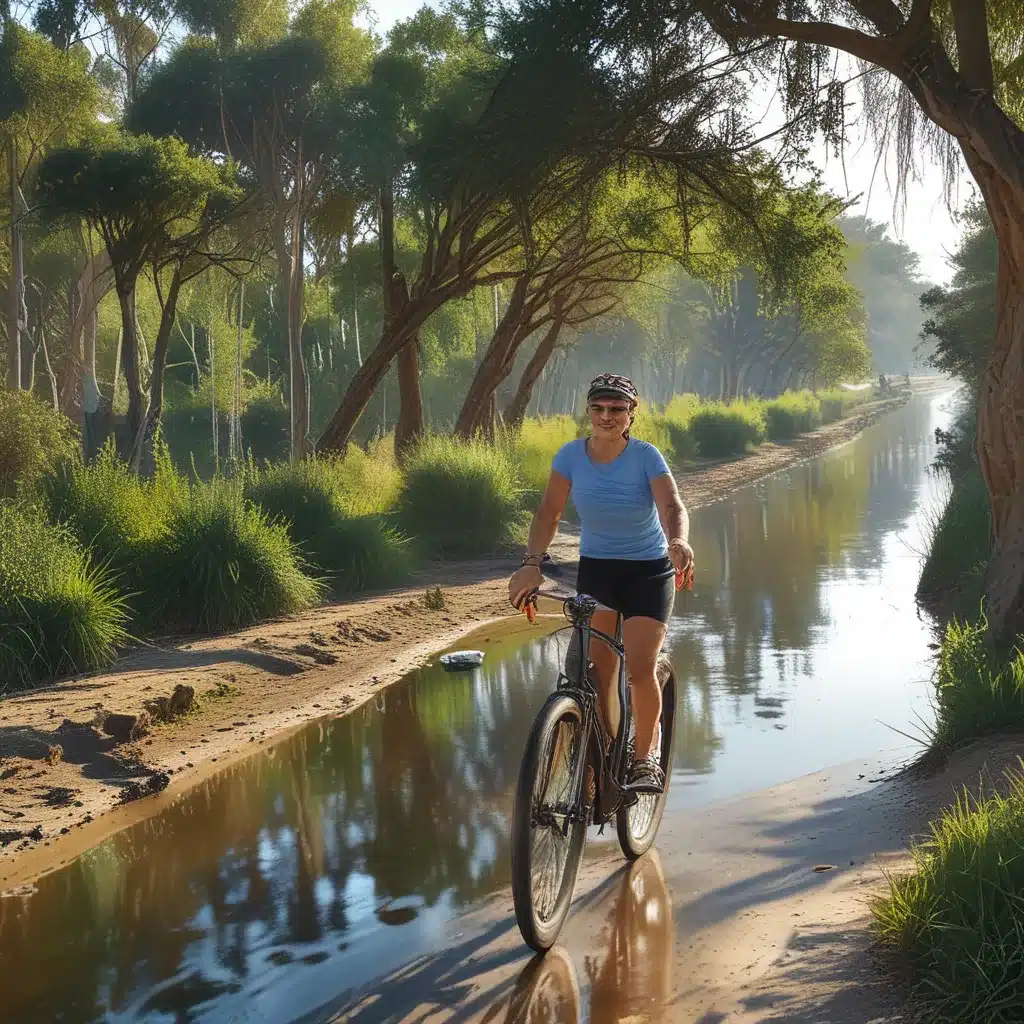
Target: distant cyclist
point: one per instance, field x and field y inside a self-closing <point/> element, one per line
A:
<point x="628" y="505"/>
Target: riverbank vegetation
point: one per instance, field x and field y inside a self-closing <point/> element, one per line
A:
<point x="174" y="552"/>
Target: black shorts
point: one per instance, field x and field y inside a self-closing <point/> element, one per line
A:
<point x="633" y="588"/>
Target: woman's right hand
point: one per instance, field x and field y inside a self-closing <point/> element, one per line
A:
<point x="523" y="582"/>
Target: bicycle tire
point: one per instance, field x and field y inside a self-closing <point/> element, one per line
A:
<point x="541" y="912"/>
<point x="637" y="825"/>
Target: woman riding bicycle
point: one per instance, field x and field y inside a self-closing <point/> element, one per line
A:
<point x="633" y="541"/>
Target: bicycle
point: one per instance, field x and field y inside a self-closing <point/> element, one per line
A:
<point x="592" y="787"/>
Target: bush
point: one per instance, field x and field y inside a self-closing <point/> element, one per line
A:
<point x="461" y="498"/>
<point x="315" y="499"/>
<point x="535" y="445"/>
<point x="58" y="613"/>
<point x="34" y="441"/>
<point x="113" y="513"/>
<point x="975" y="694"/>
<point x="837" y="403"/>
<point x="956" y="919"/>
<point x="793" y="413"/>
<point x="221" y="564"/>
<point x="721" y="430"/>
<point x="651" y="427"/>
<point x="953" y="572"/>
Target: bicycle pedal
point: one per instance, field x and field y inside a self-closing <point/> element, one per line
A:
<point x="642" y="789"/>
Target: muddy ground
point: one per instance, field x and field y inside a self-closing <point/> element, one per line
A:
<point x="91" y="754"/>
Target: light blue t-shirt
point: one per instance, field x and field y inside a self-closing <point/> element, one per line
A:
<point x="614" y="499"/>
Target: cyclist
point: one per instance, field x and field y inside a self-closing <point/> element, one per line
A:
<point x="633" y="541"/>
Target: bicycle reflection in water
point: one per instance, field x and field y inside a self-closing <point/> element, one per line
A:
<point x="631" y="978"/>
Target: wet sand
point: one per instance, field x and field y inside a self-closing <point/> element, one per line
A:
<point x="752" y="910"/>
<point x="65" y="784"/>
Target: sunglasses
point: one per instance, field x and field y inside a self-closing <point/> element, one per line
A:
<point x="612" y="410"/>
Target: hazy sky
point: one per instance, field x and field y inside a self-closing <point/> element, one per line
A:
<point x="926" y="225"/>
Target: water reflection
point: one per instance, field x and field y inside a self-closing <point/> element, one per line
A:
<point x="629" y="979"/>
<point x="803" y="616"/>
<point x="298" y="876"/>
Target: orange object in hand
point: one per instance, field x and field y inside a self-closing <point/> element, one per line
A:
<point x="530" y="612"/>
<point x="685" y="579"/>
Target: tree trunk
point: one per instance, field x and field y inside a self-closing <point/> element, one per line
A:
<point x="515" y="412"/>
<point x="130" y="358"/>
<point x="1000" y="436"/>
<point x="17" y="316"/>
<point x="496" y="363"/>
<point x="143" y="449"/>
<point x="395" y="290"/>
<point x="291" y="284"/>
<point x="92" y="405"/>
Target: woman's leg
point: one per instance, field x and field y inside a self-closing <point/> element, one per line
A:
<point x="606" y="668"/>
<point x="643" y="638"/>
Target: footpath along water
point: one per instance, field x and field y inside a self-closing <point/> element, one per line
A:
<point x="302" y="874"/>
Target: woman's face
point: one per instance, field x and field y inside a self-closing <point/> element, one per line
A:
<point x="609" y="417"/>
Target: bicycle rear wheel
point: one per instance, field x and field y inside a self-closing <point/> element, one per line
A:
<point x="548" y="833"/>
<point x="637" y="824"/>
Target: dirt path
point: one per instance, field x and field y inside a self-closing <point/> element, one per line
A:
<point x="750" y="911"/>
<point x="70" y="773"/>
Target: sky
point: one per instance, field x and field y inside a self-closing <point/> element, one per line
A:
<point x="925" y="225"/>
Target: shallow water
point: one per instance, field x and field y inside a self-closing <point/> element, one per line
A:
<point x="301" y="874"/>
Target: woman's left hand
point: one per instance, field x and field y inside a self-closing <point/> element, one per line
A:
<point x="681" y="554"/>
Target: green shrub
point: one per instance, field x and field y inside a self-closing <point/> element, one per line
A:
<point x="59" y="614"/>
<point x="837" y="403"/>
<point x="677" y="416"/>
<point x="653" y="428"/>
<point x="221" y="564"/>
<point x="461" y="498"/>
<point x="721" y="430"/>
<point x="314" y="500"/>
<point x="975" y="693"/>
<point x="535" y="445"/>
<point x="953" y="572"/>
<point x="792" y="413"/>
<point x="113" y="513"/>
<point x="34" y="441"/>
<point x="956" y="920"/>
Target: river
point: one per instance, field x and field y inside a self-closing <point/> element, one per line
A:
<point x="281" y="888"/>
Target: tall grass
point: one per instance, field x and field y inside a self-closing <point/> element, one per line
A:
<point x="721" y="429"/>
<point x="222" y="564"/>
<point x="837" y="403"/>
<point x="34" y="441"/>
<point x="461" y="498"/>
<point x="791" y="414"/>
<point x="59" y="614"/>
<point x="957" y="920"/>
<point x="331" y="509"/>
<point x="953" y="573"/>
<point x="534" y="446"/>
<point x="977" y="692"/>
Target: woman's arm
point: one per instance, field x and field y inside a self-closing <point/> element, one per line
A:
<point x="674" y="520"/>
<point x="542" y="533"/>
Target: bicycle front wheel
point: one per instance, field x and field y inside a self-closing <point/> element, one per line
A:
<point x="549" y="822"/>
<point x="637" y="824"/>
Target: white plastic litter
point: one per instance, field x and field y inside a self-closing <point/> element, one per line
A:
<point x="462" y="659"/>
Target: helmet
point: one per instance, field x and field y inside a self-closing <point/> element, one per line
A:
<point x="613" y="385"/>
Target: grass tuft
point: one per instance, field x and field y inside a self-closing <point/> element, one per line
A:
<point x="957" y="921"/>
<point x="720" y="430"/>
<point x="59" y="614"/>
<point x="34" y="441"/>
<point x="461" y="498"/>
<point x="793" y="413"/>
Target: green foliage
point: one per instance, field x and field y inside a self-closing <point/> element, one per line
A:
<point x="59" y="614"/>
<point x="836" y="404"/>
<point x="721" y="430"/>
<point x="953" y="574"/>
<point x="650" y="427"/>
<point x="678" y="413"/>
<point x="220" y="564"/>
<point x="796" y="412"/>
<point x="331" y="509"/>
<point x="977" y="691"/>
<point x="34" y="441"/>
<point x="116" y="515"/>
<point x="962" y="318"/>
<point x="461" y="498"/>
<point x="954" y="922"/>
<point x="535" y="446"/>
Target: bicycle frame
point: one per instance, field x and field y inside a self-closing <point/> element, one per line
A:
<point x="611" y="766"/>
